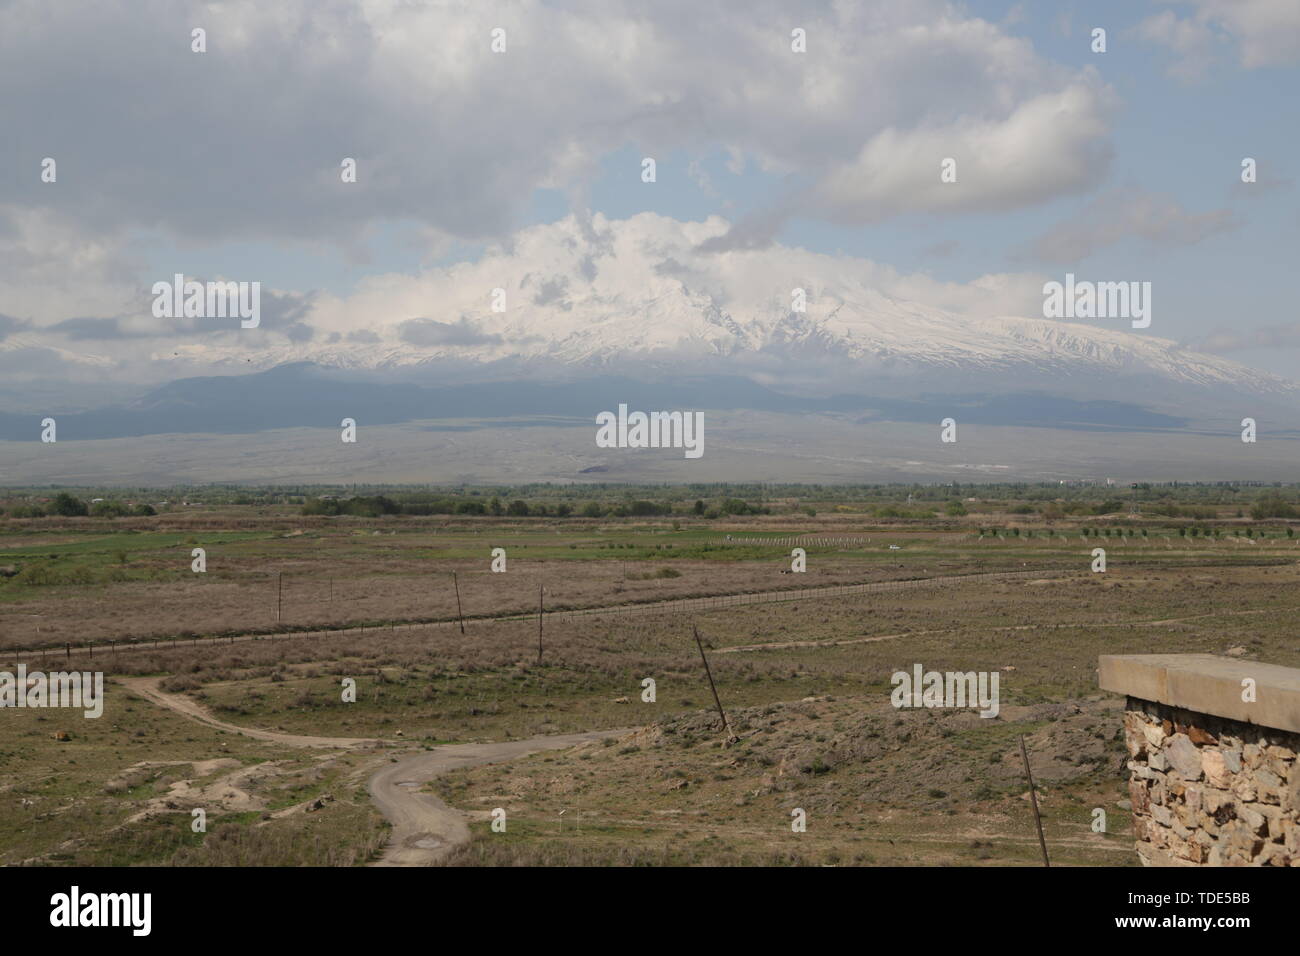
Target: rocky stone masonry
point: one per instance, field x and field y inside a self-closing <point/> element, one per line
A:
<point x="1211" y="791"/>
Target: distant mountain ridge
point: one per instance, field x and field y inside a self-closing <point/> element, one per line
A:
<point x="593" y="314"/>
<point x="679" y="331"/>
<point x="306" y="395"/>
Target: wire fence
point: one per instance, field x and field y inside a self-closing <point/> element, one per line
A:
<point x="569" y="615"/>
<point x="800" y="541"/>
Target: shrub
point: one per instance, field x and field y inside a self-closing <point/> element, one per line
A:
<point x="67" y="506"/>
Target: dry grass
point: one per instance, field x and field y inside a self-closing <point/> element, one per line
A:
<point x="880" y="786"/>
<point x="877" y="786"/>
<point x="119" y="793"/>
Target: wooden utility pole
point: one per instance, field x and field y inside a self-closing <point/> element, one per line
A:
<point x="539" y="625"/>
<point x="1033" y="798"/>
<point x="726" y="724"/>
<point x="279" y="595"/>
<point x="459" y="616"/>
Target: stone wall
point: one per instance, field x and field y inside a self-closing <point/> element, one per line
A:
<point x="1208" y="787"/>
<point x="1211" y="791"/>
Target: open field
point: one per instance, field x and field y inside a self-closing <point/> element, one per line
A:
<point x="121" y="790"/>
<point x="128" y="584"/>
<point x="812" y="448"/>
<point x="233" y="725"/>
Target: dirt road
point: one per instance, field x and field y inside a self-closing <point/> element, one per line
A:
<point x="147" y="687"/>
<point x="424" y="828"/>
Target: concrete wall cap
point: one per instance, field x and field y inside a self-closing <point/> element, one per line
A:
<point x="1207" y="684"/>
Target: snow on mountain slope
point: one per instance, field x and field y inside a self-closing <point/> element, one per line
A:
<point x="678" y="329"/>
<point x="23" y="345"/>
<point x="638" y="295"/>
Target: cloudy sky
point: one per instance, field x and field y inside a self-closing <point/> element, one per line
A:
<point x="523" y="168"/>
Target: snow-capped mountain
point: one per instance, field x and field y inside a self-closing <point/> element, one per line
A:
<point x="641" y="297"/>
<point x="793" y="348"/>
<point x="644" y="299"/>
<point x="673" y="329"/>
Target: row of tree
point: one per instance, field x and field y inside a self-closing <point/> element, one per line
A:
<point x="66" y="505"/>
<point x="378" y="505"/>
<point x="1194" y="531"/>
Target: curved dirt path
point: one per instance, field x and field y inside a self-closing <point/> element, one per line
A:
<point x="425" y="829"/>
<point x="147" y="687"/>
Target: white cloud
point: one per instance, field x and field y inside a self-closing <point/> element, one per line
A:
<point x="245" y="141"/>
<point x="50" y="269"/>
<point x="1047" y="146"/>
<point x="1222" y="340"/>
<point x="1261" y="33"/>
<point x="1119" y="214"/>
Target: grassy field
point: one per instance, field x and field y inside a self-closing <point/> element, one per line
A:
<point x="806" y="681"/>
<point x="76" y="585"/>
<point x="120" y="792"/>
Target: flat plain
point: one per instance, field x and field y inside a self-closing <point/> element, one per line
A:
<point x="225" y="689"/>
